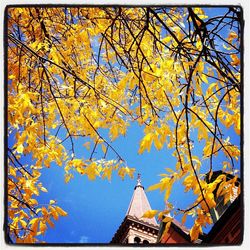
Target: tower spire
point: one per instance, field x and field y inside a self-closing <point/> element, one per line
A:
<point x="135" y="228"/>
<point x="139" y="181"/>
<point x="139" y="203"/>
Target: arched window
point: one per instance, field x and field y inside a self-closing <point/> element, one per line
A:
<point x="137" y="240"/>
<point x="145" y="242"/>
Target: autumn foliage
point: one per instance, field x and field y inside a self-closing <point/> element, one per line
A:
<point x="74" y="73"/>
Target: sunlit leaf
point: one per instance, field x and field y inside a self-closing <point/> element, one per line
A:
<point x="150" y="214"/>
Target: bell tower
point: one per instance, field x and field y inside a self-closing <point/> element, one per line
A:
<point x="134" y="229"/>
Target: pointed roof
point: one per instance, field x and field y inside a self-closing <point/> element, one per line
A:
<point x="139" y="204"/>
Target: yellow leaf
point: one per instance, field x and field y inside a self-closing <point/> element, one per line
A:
<point x="114" y="132"/>
<point x="163" y="213"/>
<point x="47" y="162"/>
<point x="207" y="150"/>
<point x="50" y="223"/>
<point x="196" y="159"/>
<point x="235" y="60"/>
<point x="168" y="191"/>
<point x="167" y="227"/>
<point x="199" y="44"/>
<point x="203" y="16"/>
<point x="184" y="218"/>
<point x="210" y="88"/>
<point x="210" y="175"/>
<point x="227" y="197"/>
<point x="12" y="171"/>
<point x="155" y="186"/>
<point x="97" y="124"/>
<point x="20" y="148"/>
<point x="146" y="143"/>
<point x="55" y="55"/>
<point x="61" y="211"/>
<point x="169" y="170"/>
<point x="104" y="149"/>
<point x="38" y="210"/>
<point x="23" y="214"/>
<point x="150" y="214"/>
<point x="157" y="143"/>
<point x="34" y="225"/>
<point x="189" y="182"/>
<point x="204" y="78"/>
<point x="53" y="212"/>
<point x="220" y="188"/>
<point x="237" y="123"/>
<point x="225" y="47"/>
<point x="210" y="199"/>
<point x="23" y="223"/>
<point x="198" y="89"/>
<point x="125" y="170"/>
<point x="44" y="189"/>
<point x="87" y="145"/>
<point x="12" y="77"/>
<point x="107" y="172"/>
<point x="232" y="35"/>
<point x="123" y="83"/>
<point x="67" y="177"/>
<point x="43" y="227"/>
<point x="167" y="39"/>
<point x="165" y="184"/>
<point x="195" y="232"/>
<point x="91" y="171"/>
<point x="167" y="219"/>
<point x="33" y="202"/>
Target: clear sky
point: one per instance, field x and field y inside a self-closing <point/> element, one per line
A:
<point x="97" y="208"/>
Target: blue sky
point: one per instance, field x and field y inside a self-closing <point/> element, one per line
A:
<point x="96" y="208"/>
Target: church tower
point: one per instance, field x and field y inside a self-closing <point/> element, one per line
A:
<point x="134" y="229"/>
